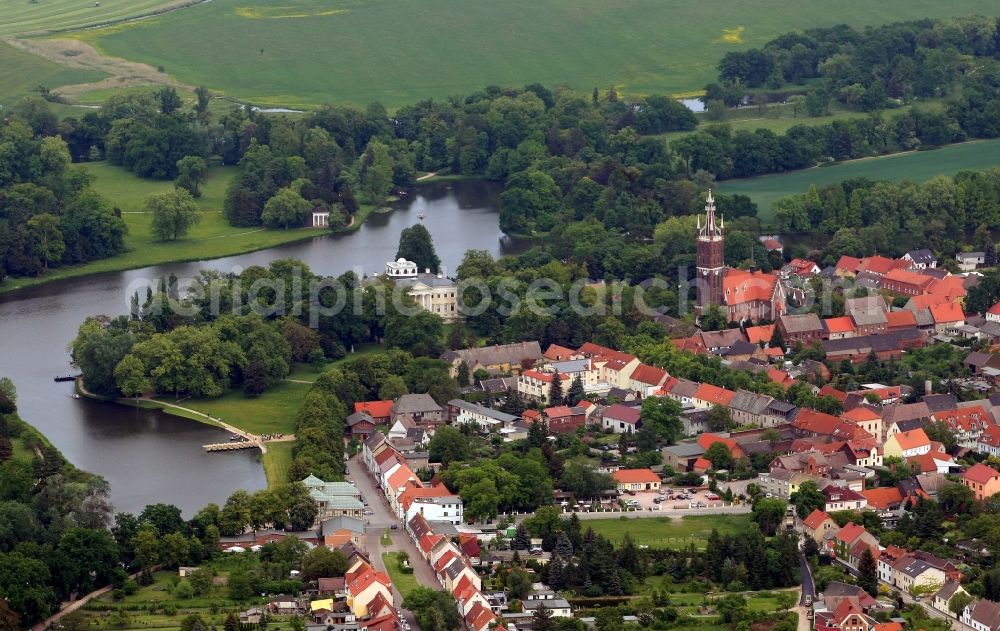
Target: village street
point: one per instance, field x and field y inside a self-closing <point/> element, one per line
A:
<point x="381" y="520"/>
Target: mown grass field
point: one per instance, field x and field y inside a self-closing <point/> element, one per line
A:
<point x="277" y="461"/>
<point x="21" y="73"/>
<point x="663" y="532"/>
<point x="212" y="237"/>
<point x="917" y="165"/>
<point x="24" y="16"/>
<point x="397" y="52"/>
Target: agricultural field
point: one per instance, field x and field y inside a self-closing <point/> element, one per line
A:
<point x="22" y="17"/>
<point x="21" y="73"/>
<point x="915" y="165"/>
<point x="212" y="237"/>
<point x="303" y="53"/>
<point x="664" y="532"/>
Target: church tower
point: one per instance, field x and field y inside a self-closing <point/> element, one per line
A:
<point x="710" y="261"/>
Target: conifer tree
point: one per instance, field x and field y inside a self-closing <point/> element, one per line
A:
<point x="575" y="393"/>
<point x="521" y="539"/>
<point x="556" y="391"/>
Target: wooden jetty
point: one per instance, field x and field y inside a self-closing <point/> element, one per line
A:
<point x="232" y="446"/>
<point x="60" y="378"/>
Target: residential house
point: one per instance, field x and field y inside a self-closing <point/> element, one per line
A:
<point x="559" y="607"/>
<point x="989" y="441"/>
<point x="621" y="419"/>
<point x="420" y="409"/>
<point x="866" y="418"/>
<point x="993" y="313"/>
<point x="562" y="419"/>
<point x="707" y="396"/>
<point x="360" y="426"/>
<point x="921" y="259"/>
<point x="615" y="367"/>
<point x="495" y="359"/>
<point x="848" y="537"/>
<point x="337" y="531"/>
<point x="912" y="574"/>
<point x="906" y="444"/>
<point x="820" y="526"/>
<point x="982" y="615"/>
<point x="944" y="595"/>
<point x="967" y="423"/>
<point x="636" y="480"/>
<point x="647" y="379"/>
<point x="839" y="328"/>
<point x="444" y="508"/>
<point x="838" y="499"/>
<point x="465" y="413"/>
<point x="969" y="261"/>
<point x="681" y="457"/>
<point x="379" y="411"/>
<point x="982" y="480"/>
<point x="535" y="385"/>
<point x="848" y="616"/>
<point x="906" y="282"/>
<point x="363" y="585"/>
<point x="947" y="316"/>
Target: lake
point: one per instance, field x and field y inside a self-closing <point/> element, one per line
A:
<point x="149" y="456"/>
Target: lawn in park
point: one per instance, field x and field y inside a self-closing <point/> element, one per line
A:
<point x="915" y="165"/>
<point x="272" y="412"/>
<point x="664" y="532"/>
<point x="21" y="73"/>
<point x="212" y="237"/>
<point x="277" y="461"/>
<point x="397" y="52"/>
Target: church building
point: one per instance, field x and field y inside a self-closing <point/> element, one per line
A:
<point x="744" y="295"/>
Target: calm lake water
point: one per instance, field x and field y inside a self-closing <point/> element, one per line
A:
<point x="149" y="456"/>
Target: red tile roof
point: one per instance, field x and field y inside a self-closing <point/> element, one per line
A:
<point x="602" y="352"/>
<point x="545" y="377"/>
<point x="558" y="353"/>
<point x="635" y="476"/>
<point x="815" y="519"/>
<point x="558" y="411"/>
<point x="949" y="312"/>
<point x="649" y="375"/>
<point x="376" y="409"/>
<point x="850" y="532"/>
<point x="860" y="414"/>
<point x="761" y="333"/>
<point x="880" y="265"/>
<point x="900" y="319"/>
<point x="842" y="324"/>
<point x="912" y="439"/>
<point x="830" y="391"/>
<point x="707" y="440"/>
<point x="910" y="278"/>
<point x="994" y="310"/>
<point x="848" y="264"/>
<point x="883" y="498"/>
<point x="740" y="286"/>
<point x="980" y="473"/>
<point x="714" y="394"/>
<point x="780" y="377"/>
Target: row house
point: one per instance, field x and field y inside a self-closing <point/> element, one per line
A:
<point x="847" y="539"/>
<point x="647" y="379"/>
<point x="615" y="367"/>
<point x="866" y="418"/>
<point x="906" y="282"/>
<point x="820" y="527"/>
<point x="989" y="441"/>
<point x="982" y="615"/>
<point x="838" y="498"/>
<point x="967" y="423"/>
<point x="943" y="596"/>
<point x="466" y="413"/>
<point x="708" y="396"/>
<point x="888" y="345"/>
<point x="535" y="385"/>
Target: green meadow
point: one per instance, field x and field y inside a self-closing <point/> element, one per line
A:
<point x="21" y="73"/>
<point x="664" y="532"/>
<point x="915" y="165"/>
<point x="211" y="238"/>
<point x="396" y="52"/>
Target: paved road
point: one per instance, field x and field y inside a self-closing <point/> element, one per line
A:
<point x="808" y="586"/>
<point x="382" y="520"/>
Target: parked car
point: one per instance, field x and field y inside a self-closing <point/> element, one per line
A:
<point x="394" y="527"/>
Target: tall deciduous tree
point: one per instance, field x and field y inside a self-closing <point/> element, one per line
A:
<point x="416" y="245"/>
<point x="191" y="172"/>
<point x="174" y="213"/>
<point x="287" y="209"/>
<point x="375" y="169"/>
